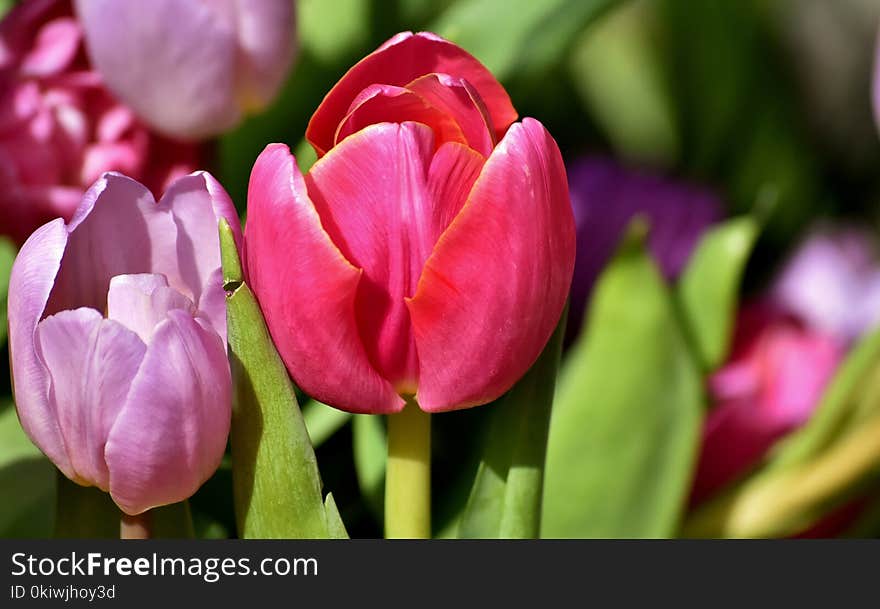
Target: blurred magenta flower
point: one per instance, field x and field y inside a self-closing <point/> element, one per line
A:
<point x="191" y="68"/>
<point x="770" y="386"/>
<point x="606" y="196"/>
<point x="832" y="281"/>
<point x="59" y="128"/>
<point x="434" y="240"/>
<point x="117" y="329"/>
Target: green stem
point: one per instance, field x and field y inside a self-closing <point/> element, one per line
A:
<point x="136" y="527"/>
<point x="408" y="477"/>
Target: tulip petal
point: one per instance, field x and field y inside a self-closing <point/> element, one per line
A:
<point x="91" y="362"/>
<point x="141" y="302"/>
<point x="493" y="289"/>
<point x="170" y="435"/>
<point x="459" y="100"/>
<point x="383" y="103"/>
<point x="452" y="174"/>
<point x="399" y="61"/>
<point x="307" y="289"/>
<point x="379" y="215"/>
<point x="116" y="230"/>
<point x="185" y="87"/>
<point x="197" y="202"/>
<point x="267" y="44"/>
<point x="30" y="284"/>
<point x="55" y="48"/>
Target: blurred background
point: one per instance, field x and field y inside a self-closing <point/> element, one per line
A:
<point x="722" y="373"/>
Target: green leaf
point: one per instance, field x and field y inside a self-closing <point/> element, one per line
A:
<point x="323" y="421"/>
<point x="335" y="526"/>
<point x="517" y="36"/>
<point x="331" y="31"/>
<point x="616" y="68"/>
<point x="370" y="446"/>
<point x="505" y="499"/>
<point x="708" y="289"/>
<point x="28" y="482"/>
<point x="277" y="487"/>
<point x="625" y="426"/>
<point x="7" y="256"/>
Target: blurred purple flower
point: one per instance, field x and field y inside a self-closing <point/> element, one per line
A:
<point x="832" y="282"/>
<point x="606" y="196"/>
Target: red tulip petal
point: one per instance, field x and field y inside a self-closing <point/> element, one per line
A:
<point x="371" y="194"/>
<point x="402" y="59"/>
<point x="452" y="174"/>
<point x="459" y="100"/>
<point x="383" y="103"/>
<point x="494" y="288"/>
<point x="307" y="291"/>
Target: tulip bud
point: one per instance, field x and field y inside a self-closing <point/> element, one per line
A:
<point x="434" y="238"/>
<point x="189" y="68"/>
<point x="117" y="339"/>
<point x="60" y="129"/>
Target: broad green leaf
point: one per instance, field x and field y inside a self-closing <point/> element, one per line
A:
<point x="625" y="425"/>
<point x="370" y="446"/>
<point x="323" y="421"/>
<point x="709" y="287"/>
<point x="505" y="499"/>
<point x="28" y="482"/>
<point x="7" y="256"/>
<point x="517" y="36"/>
<point x="277" y="487"/>
<point x="615" y="66"/>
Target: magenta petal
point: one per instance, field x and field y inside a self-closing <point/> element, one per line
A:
<point x="383" y="103"/>
<point x="371" y="194"/>
<point x="493" y="290"/>
<point x="91" y="362"/>
<point x="55" y="48"/>
<point x="170" y="435"/>
<point x="399" y="61"/>
<point x="307" y="289"/>
<point x="459" y="100"/>
<point x="33" y="275"/>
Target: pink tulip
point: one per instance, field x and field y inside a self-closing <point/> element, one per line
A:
<point x="429" y="251"/>
<point x="59" y="128"/>
<point x="191" y="68"/>
<point x="770" y="386"/>
<point x="117" y="330"/>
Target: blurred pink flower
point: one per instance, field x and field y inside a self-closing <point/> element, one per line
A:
<point x="770" y="386"/>
<point x="59" y="127"/>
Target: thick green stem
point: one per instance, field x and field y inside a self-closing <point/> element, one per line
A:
<point x="408" y="477"/>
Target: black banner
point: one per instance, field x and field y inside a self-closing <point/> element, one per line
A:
<point x="419" y="573"/>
